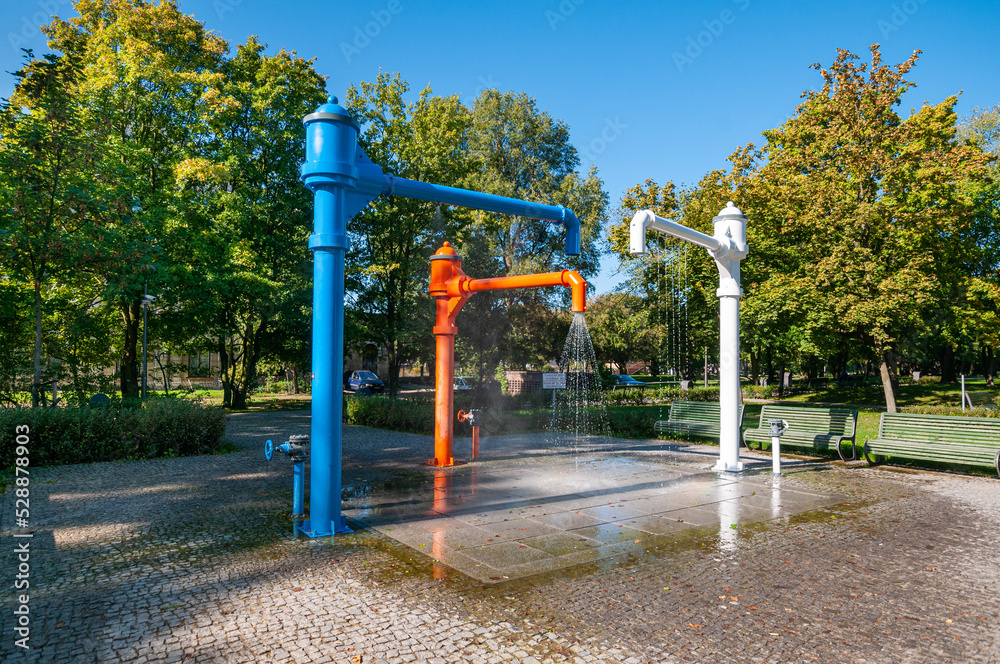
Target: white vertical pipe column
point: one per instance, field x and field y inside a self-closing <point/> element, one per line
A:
<point x="728" y="247"/>
<point x="729" y="381"/>
<point x="731" y="232"/>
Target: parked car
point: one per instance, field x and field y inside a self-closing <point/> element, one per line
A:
<point x="464" y="382"/>
<point x="367" y="379"/>
<point x="621" y="380"/>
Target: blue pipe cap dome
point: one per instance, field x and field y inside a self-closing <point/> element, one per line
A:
<point x="331" y="147"/>
<point x="331" y="110"/>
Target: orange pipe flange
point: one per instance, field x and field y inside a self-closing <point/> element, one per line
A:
<point x="451" y="288"/>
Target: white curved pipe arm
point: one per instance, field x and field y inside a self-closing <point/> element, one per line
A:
<point x="646" y="219"/>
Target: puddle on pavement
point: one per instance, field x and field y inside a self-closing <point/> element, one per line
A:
<point x="430" y="523"/>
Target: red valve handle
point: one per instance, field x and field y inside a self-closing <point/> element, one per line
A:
<point x="462" y="416"/>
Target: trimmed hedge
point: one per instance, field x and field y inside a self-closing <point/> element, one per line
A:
<point x="392" y="414"/>
<point x="160" y="428"/>
<point x="418" y="417"/>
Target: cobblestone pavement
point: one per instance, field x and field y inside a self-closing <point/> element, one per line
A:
<point x="191" y="559"/>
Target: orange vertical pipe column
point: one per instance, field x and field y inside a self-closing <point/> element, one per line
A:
<point x="446" y="275"/>
<point x="451" y="288"/>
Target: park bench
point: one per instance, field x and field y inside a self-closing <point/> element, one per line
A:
<point x="693" y="418"/>
<point x="980" y="400"/>
<point x="819" y="428"/>
<point x="967" y="441"/>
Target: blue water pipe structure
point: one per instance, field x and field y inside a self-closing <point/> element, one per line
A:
<point x="344" y="180"/>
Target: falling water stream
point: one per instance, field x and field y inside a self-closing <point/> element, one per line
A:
<point x="580" y="409"/>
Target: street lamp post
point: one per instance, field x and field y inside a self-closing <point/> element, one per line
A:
<point x="146" y="301"/>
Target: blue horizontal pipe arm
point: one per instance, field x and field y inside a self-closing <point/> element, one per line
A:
<point x="438" y="193"/>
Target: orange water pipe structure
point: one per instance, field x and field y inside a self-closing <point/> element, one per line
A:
<point x="451" y="288"/>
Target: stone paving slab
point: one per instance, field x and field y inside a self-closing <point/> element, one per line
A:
<point x="486" y="523"/>
<point x="192" y="559"/>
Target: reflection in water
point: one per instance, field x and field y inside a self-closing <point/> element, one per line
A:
<point x="776" y="499"/>
<point x="448" y="490"/>
<point x="729" y="511"/>
<point x="437" y="551"/>
<point x="442" y="489"/>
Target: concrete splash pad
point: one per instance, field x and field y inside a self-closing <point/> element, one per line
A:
<point x="500" y="520"/>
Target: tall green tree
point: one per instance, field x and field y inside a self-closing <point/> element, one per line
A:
<point x="980" y="315"/>
<point x="393" y="238"/>
<point x="245" y="219"/>
<point x="43" y="194"/>
<point x="676" y="281"/>
<point x="147" y="76"/>
<point x="876" y="204"/>
<point x="520" y="151"/>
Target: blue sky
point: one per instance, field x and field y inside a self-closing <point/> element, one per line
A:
<point x="661" y="90"/>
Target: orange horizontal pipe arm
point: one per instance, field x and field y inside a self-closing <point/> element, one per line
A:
<point x="451" y="288"/>
<point x="569" y="278"/>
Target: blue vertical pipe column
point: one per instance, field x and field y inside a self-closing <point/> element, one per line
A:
<point x="330" y="173"/>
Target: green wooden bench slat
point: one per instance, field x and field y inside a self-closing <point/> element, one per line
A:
<point x="694" y="418"/>
<point x="819" y="428"/>
<point x="972" y="441"/>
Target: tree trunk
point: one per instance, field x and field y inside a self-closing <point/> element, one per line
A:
<point x="754" y="367"/>
<point x="393" y="377"/>
<point x="295" y="378"/>
<point x="890" y="380"/>
<point x="36" y="383"/>
<point x="948" y="364"/>
<point x="157" y="357"/>
<point x="241" y="387"/>
<point x="781" y="379"/>
<point x="224" y="373"/>
<point x="130" y="354"/>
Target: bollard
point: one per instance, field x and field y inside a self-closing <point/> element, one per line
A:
<point x="777" y="428"/>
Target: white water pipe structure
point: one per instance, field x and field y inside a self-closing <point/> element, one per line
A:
<point x="728" y="247"/>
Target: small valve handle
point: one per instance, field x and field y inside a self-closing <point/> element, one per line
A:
<point x="268" y="449"/>
<point x="462" y="416"/>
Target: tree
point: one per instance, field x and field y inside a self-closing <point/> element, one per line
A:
<point x="980" y="317"/>
<point x="42" y="192"/>
<point x="247" y="277"/>
<point x="875" y="204"/>
<point x="521" y="152"/>
<point x="393" y="238"/>
<point x="146" y="79"/>
<point x="676" y="281"/>
<point x="618" y="324"/>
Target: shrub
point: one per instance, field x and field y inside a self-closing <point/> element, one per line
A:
<point x="392" y="414"/>
<point x="162" y="427"/>
<point x="759" y="391"/>
<point x="628" y="423"/>
<point x="630" y="396"/>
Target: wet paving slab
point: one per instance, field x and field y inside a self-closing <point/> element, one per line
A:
<point x="495" y="521"/>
